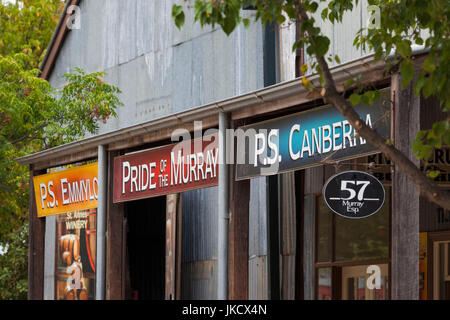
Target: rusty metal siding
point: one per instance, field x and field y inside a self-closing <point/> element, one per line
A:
<point x="199" y="280"/>
<point x="258" y="262"/>
<point x="199" y="239"/>
<point x="258" y="278"/>
<point x="199" y="244"/>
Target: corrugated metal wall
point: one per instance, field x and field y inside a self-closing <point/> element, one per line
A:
<point x="199" y="244"/>
<point x="341" y="36"/>
<point x="160" y="69"/>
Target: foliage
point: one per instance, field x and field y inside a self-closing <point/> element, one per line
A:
<point x="14" y="266"/>
<point x="403" y="23"/>
<point x="28" y="26"/>
<point x="34" y="116"/>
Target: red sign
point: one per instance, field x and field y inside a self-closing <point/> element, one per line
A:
<point x="174" y="168"/>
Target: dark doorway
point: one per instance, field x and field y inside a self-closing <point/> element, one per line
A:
<point x="146" y="236"/>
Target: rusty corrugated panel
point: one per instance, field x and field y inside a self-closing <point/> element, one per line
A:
<point x="198" y="280"/>
<point x="199" y="239"/>
<point x="258" y="278"/>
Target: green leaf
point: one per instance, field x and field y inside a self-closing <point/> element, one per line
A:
<point x="349" y="82"/>
<point x="404" y="49"/>
<point x="178" y="15"/>
<point x="407" y="72"/>
<point x="429" y="64"/>
<point x="355" y="98"/>
<point x="321" y="45"/>
<point x="304" y="68"/>
<point x="434" y="174"/>
<point x="338" y="60"/>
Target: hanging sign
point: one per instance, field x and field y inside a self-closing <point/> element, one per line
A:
<point x="307" y="139"/>
<point x="354" y="194"/>
<point x="179" y="167"/>
<point x="66" y="191"/>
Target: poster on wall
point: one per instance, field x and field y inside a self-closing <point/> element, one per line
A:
<point x="75" y="255"/>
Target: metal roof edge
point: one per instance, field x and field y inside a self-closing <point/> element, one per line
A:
<point x="260" y="96"/>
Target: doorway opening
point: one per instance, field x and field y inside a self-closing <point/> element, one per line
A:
<point x="145" y="241"/>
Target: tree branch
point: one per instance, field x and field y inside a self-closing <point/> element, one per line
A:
<point x="426" y="187"/>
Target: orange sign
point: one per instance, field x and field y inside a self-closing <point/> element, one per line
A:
<point x="66" y="191"/>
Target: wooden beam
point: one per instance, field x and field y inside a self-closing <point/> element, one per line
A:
<point x="238" y="239"/>
<point x="57" y="42"/>
<point x="288" y="234"/>
<point x="171" y="224"/>
<point x="36" y="245"/>
<point x="76" y="156"/>
<point x="179" y="231"/>
<point x="115" y="243"/>
<point x="405" y="198"/>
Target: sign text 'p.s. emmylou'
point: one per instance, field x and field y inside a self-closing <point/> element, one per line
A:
<point x="179" y="167"/>
<point x="68" y="190"/>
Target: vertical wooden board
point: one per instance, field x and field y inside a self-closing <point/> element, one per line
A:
<point x="314" y="180"/>
<point x="171" y="213"/>
<point x="258" y="217"/>
<point x="328" y="172"/>
<point x="288" y="235"/>
<point x="430" y="112"/>
<point x="253" y="278"/>
<point x="308" y="246"/>
<point x="36" y="244"/>
<point x="199" y="281"/>
<point x="258" y="278"/>
<point x="405" y="202"/>
<point x="238" y="243"/>
<point x="288" y="277"/>
<point x="179" y="246"/>
<point x="115" y="241"/>
<point x="288" y="213"/>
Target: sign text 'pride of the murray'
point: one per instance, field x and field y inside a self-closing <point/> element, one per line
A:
<point x="308" y="138"/>
<point x="169" y="169"/>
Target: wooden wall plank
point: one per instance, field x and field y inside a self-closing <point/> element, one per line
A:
<point x="115" y="242"/>
<point x="314" y="180"/>
<point x="171" y="220"/>
<point x="36" y="245"/>
<point x="238" y="247"/>
<point x="405" y="200"/>
<point x="288" y="234"/>
<point x="308" y="246"/>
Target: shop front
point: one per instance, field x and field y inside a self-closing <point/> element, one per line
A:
<point x="150" y="184"/>
<point x="163" y="219"/>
